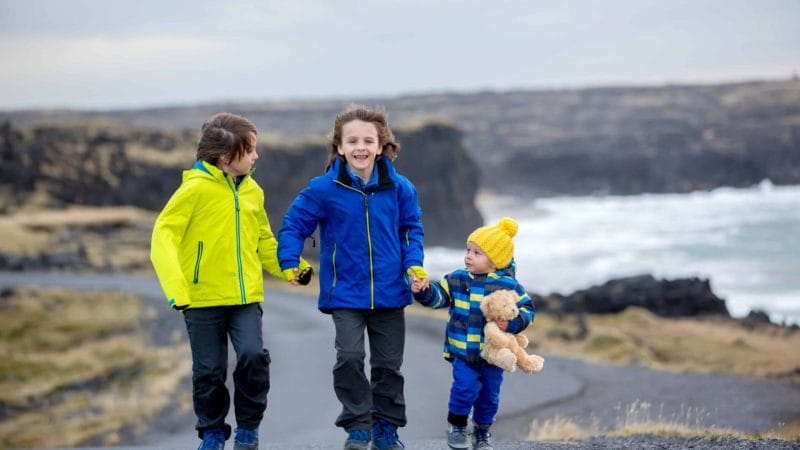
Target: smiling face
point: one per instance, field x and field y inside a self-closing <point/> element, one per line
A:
<point x="360" y="147"/>
<point x="476" y="260"/>
<point x="243" y="165"/>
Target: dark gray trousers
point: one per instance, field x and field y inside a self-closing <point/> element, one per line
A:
<point x="380" y="397"/>
<point x="209" y="329"/>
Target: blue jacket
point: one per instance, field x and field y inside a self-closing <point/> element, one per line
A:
<point x="369" y="236"/>
<point x="463" y="292"/>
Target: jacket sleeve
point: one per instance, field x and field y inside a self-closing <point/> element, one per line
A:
<point x="526" y="311"/>
<point x="436" y="296"/>
<point x="268" y="246"/>
<point x="299" y="222"/>
<point x="411" y="232"/>
<point x="165" y="241"/>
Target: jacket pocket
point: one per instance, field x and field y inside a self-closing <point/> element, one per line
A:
<point x="333" y="272"/>
<point x="196" y="278"/>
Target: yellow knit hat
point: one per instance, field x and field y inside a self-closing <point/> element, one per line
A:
<point x="495" y="241"/>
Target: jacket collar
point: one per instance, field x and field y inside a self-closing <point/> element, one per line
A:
<point x="339" y="172"/>
<point x="214" y="171"/>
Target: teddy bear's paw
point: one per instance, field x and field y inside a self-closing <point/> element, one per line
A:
<point x="506" y="360"/>
<point x="532" y="364"/>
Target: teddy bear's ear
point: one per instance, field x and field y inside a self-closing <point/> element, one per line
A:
<point x="512" y="296"/>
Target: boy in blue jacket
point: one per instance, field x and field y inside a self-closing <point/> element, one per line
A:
<point x="489" y="267"/>
<point x="370" y="235"/>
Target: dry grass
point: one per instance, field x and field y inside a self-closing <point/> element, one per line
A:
<point x="181" y="156"/>
<point x="641" y="418"/>
<point x="76" y="367"/>
<point x="687" y="345"/>
<point x="105" y="237"/>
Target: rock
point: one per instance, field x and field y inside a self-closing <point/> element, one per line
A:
<point x="686" y="297"/>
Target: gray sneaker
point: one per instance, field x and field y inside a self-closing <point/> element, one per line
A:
<point x="457" y="437"/>
<point x="481" y="438"/>
<point x="357" y="440"/>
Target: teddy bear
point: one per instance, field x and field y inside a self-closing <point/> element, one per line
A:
<point x="502" y="349"/>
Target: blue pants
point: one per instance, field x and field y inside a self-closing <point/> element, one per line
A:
<point x="209" y="330"/>
<point x="475" y="388"/>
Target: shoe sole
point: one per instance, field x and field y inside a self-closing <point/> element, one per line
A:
<point x="356" y="447"/>
<point x="464" y="447"/>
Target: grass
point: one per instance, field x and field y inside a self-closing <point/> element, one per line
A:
<point x="635" y="418"/>
<point x="78" y="367"/>
<point x="698" y="345"/>
<point x="640" y="418"/>
<point x="100" y="237"/>
<point x="694" y="345"/>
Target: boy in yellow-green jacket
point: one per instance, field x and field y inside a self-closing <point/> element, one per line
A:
<point x="209" y="248"/>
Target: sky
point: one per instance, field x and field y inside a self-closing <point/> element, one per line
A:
<point x="112" y="54"/>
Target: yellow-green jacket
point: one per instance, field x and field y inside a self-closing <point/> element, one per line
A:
<point x="212" y="240"/>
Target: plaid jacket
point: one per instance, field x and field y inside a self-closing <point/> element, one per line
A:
<point x="462" y="293"/>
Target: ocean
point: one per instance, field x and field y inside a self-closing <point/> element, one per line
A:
<point x="745" y="241"/>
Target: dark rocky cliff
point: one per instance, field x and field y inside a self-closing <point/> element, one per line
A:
<point x="618" y="140"/>
<point x="109" y="165"/>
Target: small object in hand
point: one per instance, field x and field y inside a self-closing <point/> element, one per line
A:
<point x="304" y="277"/>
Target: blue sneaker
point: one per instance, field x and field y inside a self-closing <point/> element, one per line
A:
<point x="245" y="439"/>
<point x="213" y="439"/>
<point x="384" y="436"/>
<point x="357" y="440"/>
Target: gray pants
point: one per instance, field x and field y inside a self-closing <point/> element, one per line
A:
<point x="208" y="330"/>
<point x="380" y="397"/>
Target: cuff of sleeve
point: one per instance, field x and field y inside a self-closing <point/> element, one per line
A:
<point x="290" y="273"/>
<point x="515" y="326"/>
<point x="418" y="271"/>
<point x="422" y="295"/>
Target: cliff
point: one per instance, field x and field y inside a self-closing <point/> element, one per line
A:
<point x="107" y="164"/>
<point x="613" y="140"/>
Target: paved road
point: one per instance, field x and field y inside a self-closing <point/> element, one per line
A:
<point x="303" y="406"/>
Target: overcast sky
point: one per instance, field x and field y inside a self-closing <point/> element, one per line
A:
<point x="132" y="53"/>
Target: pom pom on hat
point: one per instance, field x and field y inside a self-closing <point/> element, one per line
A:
<point x="495" y="241"/>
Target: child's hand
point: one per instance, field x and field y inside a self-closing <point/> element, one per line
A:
<point x="419" y="279"/>
<point x="502" y="324"/>
<point x="300" y="275"/>
<point x="304" y="277"/>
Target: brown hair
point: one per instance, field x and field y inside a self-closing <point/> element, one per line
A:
<point x="366" y="114"/>
<point x="225" y="135"/>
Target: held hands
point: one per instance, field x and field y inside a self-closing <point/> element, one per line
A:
<point x="300" y="275"/>
<point x="419" y="279"/>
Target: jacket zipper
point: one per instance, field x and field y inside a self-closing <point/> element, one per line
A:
<point x="238" y="237"/>
<point x="369" y="243"/>
<point x="197" y="263"/>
